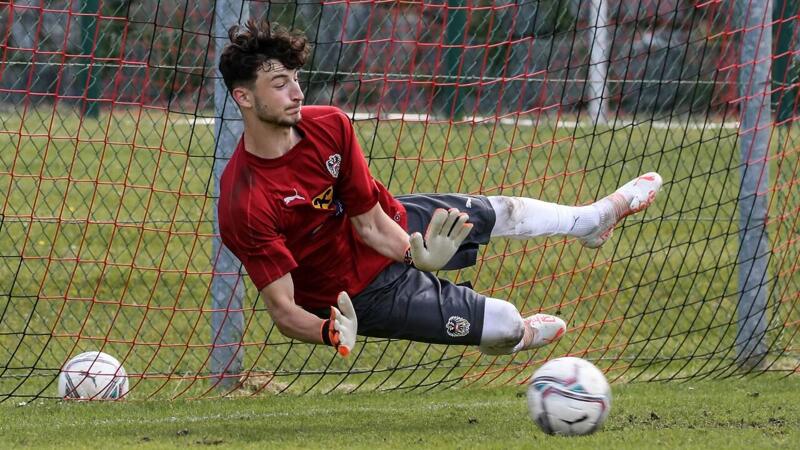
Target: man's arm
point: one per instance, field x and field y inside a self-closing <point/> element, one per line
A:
<point x="292" y="320"/>
<point x="446" y="231"/>
<point x="339" y="331"/>
<point x="380" y="232"/>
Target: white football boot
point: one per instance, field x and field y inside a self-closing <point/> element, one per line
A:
<point x="634" y="196"/>
<point x="541" y="329"/>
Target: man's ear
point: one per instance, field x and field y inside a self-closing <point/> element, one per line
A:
<point x="243" y="97"/>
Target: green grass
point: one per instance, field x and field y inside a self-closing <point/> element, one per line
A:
<point x="750" y="413"/>
<point x="106" y="244"/>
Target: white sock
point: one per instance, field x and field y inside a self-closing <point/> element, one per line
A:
<point x="522" y="218"/>
<point x="503" y="330"/>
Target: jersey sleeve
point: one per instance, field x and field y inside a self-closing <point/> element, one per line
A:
<point x="262" y="250"/>
<point x="355" y="186"/>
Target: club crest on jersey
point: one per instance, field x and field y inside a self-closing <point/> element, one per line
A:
<point x="324" y="200"/>
<point x="333" y="164"/>
<point x="457" y="326"/>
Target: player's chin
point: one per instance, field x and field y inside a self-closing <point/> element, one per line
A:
<point x="288" y="120"/>
<point x="293" y="116"/>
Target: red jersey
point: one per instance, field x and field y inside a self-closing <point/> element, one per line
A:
<point x="292" y="213"/>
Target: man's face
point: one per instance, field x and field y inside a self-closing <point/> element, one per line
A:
<point x="276" y="95"/>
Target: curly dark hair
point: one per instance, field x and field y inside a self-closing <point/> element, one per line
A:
<point x="250" y="48"/>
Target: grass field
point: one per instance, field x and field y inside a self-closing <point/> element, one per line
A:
<point x="107" y="229"/>
<point x="750" y="413"/>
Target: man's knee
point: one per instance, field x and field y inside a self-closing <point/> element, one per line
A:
<point x="502" y="327"/>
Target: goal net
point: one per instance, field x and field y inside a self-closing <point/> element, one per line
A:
<point x="115" y="127"/>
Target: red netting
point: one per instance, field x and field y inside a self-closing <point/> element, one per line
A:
<point x="107" y="191"/>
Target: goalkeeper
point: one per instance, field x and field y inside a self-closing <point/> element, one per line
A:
<point x="328" y="247"/>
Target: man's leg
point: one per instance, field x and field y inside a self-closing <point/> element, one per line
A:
<point x="505" y="331"/>
<point x="524" y="218"/>
<point x="405" y="303"/>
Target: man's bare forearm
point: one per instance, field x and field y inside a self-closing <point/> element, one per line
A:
<point x="382" y="233"/>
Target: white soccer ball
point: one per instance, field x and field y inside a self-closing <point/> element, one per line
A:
<point x="569" y="396"/>
<point x="93" y="376"/>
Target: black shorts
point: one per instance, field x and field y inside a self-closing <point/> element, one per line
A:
<point x="405" y="303"/>
<point x="420" y="207"/>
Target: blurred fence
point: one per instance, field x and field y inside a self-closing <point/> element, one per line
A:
<point x="665" y="57"/>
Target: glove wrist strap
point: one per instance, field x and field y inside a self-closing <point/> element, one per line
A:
<point x="407" y="258"/>
<point x="326" y="332"/>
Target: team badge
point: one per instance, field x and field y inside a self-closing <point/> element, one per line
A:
<point x="324" y="200"/>
<point x="457" y="326"/>
<point x="333" y="164"/>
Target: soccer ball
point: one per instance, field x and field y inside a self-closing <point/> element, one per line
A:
<point x="93" y="376"/>
<point x="569" y="396"/>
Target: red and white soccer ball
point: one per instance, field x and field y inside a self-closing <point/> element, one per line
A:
<point x="93" y="376"/>
<point x="569" y="396"/>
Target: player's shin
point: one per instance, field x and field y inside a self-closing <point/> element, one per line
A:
<point x="502" y="327"/>
<point x="523" y="218"/>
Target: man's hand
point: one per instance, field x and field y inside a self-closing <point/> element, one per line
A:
<point x="445" y="233"/>
<point x="340" y="329"/>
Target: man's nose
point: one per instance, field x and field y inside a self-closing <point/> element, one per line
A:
<point x="297" y="93"/>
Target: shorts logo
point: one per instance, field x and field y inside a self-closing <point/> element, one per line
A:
<point x="333" y="164"/>
<point x="324" y="200"/>
<point x="457" y="326"/>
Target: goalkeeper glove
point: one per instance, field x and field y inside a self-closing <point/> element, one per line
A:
<point x="339" y="331"/>
<point x="445" y="233"/>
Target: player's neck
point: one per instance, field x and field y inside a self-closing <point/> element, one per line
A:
<point x="269" y="141"/>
